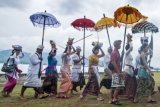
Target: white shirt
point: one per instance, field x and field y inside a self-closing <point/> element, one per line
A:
<point x="107" y="59"/>
<point x="34" y="64"/>
<point x="129" y="61"/>
<point x="75" y="57"/>
<point x="128" y="56"/>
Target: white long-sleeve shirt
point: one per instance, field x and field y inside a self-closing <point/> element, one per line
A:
<point x="34" y="64"/>
<point x="75" y="57"/>
<point x="107" y="59"/>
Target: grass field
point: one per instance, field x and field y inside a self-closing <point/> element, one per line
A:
<point x="73" y="101"/>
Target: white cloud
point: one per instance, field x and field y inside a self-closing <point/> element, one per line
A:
<point x="17" y="4"/>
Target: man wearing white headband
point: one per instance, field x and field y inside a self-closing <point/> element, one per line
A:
<point x="76" y="69"/>
<point x="32" y="79"/>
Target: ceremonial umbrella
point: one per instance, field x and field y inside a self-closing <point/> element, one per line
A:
<point x="44" y="19"/>
<point x="146" y="27"/>
<point x="127" y="15"/>
<point x="105" y="23"/>
<point x="83" y="24"/>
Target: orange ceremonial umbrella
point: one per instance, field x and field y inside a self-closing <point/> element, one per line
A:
<point x="127" y="15"/>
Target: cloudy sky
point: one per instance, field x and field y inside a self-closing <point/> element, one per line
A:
<point x="16" y="27"/>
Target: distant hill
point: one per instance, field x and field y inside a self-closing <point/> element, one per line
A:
<point x="6" y="53"/>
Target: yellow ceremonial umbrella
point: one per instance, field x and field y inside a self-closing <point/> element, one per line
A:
<point x="127" y="15"/>
<point x="105" y="23"/>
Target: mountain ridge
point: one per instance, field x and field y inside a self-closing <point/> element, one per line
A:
<point x="4" y="54"/>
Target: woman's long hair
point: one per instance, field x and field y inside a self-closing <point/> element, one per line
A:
<point x="13" y="51"/>
<point x="66" y="49"/>
<point x="53" y="52"/>
<point x="127" y="46"/>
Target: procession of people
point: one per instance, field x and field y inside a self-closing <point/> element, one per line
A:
<point x="133" y="80"/>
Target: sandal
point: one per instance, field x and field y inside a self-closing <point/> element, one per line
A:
<point x="81" y="97"/>
<point x="116" y="102"/>
<point x="110" y="102"/>
<point x="57" y="96"/>
<point x="151" y="101"/>
<point x="41" y="96"/>
<point x="21" y="97"/>
<point x="4" y="93"/>
<point x="8" y="95"/>
<point x="135" y="102"/>
<point x="65" y="97"/>
<point x="100" y="99"/>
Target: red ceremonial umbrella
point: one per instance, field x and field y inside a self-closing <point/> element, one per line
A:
<point x="83" y="24"/>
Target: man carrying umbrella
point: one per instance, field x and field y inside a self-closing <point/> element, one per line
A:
<point x="32" y="79"/>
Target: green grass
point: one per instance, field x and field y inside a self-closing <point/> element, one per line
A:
<point x="157" y="78"/>
<point x="73" y="101"/>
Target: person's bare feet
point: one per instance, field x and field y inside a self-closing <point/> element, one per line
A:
<point x="135" y="101"/>
<point x="8" y="94"/>
<point x="40" y="96"/>
<point x="21" y="97"/>
<point x="100" y="99"/>
<point x="4" y="93"/>
<point x="65" y="97"/>
<point x="81" y="97"/>
<point x="151" y="101"/>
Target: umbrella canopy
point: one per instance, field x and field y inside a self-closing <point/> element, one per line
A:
<point x="127" y="15"/>
<point x="39" y="17"/>
<point x="144" y="27"/>
<point x="104" y="23"/>
<point x="43" y="19"/>
<point x="83" y="24"/>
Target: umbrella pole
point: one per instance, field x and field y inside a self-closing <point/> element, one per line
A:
<point x="107" y="32"/>
<point x="97" y="36"/>
<point x="43" y="30"/>
<point x="144" y="32"/>
<point x="83" y="50"/>
<point x="40" y="66"/>
<point x="108" y="36"/>
<point x="124" y="43"/>
<point x="124" y="39"/>
<point x="83" y="47"/>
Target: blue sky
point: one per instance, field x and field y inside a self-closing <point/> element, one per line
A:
<point x="16" y="27"/>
